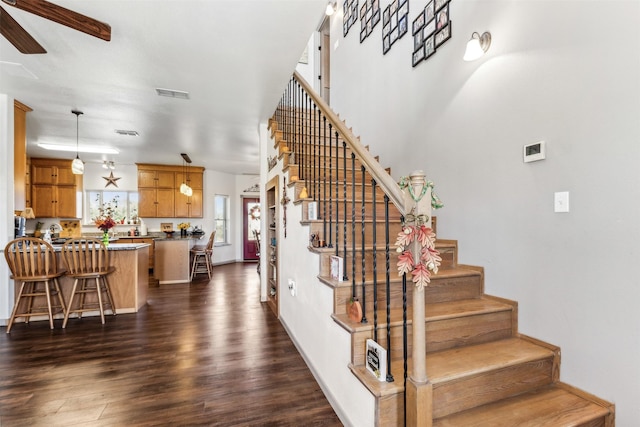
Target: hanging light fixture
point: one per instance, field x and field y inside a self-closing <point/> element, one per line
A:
<point x="184" y="187"/>
<point x="77" y="166"/>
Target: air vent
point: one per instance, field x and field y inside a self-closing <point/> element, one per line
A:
<point x="172" y="93"/>
<point x="127" y="132"/>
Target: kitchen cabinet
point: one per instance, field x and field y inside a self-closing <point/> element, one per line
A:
<point x="272" y="244"/>
<point x="189" y="206"/>
<point x="22" y="195"/>
<point x="159" y="191"/>
<point x="54" y="188"/>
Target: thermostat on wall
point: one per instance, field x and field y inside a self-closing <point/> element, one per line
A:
<point x="534" y="152"/>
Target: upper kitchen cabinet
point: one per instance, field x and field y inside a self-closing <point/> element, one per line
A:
<point x="54" y="188"/>
<point x="159" y="191"/>
<point x="22" y="196"/>
<point x="189" y="206"/>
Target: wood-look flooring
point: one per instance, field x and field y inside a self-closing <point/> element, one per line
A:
<point x="205" y="353"/>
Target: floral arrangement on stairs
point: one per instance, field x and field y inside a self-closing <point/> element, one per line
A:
<point x="419" y="235"/>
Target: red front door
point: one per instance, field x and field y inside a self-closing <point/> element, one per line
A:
<point x="250" y="226"/>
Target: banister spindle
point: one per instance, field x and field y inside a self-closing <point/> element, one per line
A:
<point x="324" y="179"/>
<point x="374" y="243"/>
<point x="362" y="252"/>
<point x="388" y="285"/>
<point x="331" y="174"/>
<point x="344" y="201"/>
<point x="337" y="188"/>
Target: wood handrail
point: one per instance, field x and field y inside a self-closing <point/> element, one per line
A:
<point x="388" y="185"/>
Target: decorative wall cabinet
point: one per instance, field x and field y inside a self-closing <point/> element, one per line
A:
<point x="54" y="188"/>
<point x="159" y="191"/>
<point x="272" y="244"/>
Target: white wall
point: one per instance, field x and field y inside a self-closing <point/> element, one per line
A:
<point x="556" y="71"/>
<point x="6" y="200"/>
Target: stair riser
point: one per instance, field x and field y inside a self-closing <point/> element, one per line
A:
<point x="327" y="191"/>
<point x="440" y="335"/>
<point x="473" y="391"/>
<point x="317" y="227"/>
<point x="448" y="289"/>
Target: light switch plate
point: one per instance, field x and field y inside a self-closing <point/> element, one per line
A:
<point x="561" y="201"/>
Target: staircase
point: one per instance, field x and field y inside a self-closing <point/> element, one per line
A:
<point x="481" y="371"/>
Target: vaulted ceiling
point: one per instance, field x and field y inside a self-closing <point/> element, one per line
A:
<point x="233" y="57"/>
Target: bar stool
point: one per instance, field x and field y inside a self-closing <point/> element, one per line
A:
<point x="202" y="258"/>
<point x="33" y="264"/>
<point x="87" y="261"/>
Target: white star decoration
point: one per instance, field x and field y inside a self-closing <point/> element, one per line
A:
<point x="111" y="180"/>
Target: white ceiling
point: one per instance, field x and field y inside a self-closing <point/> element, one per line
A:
<point x="234" y="57"/>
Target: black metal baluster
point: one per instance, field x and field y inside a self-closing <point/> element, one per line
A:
<point x="388" y="285"/>
<point x="324" y="179"/>
<point x="405" y="346"/>
<point x="344" y="195"/>
<point x="337" y="188"/>
<point x="330" y="202"/>
<point x="353" y="224"/>
<point x="362" y="252"/>
<point x="316" y="172"/>
<point x="375" y="260"/>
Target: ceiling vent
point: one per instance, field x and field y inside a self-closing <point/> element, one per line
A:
<point x="172" y="93"/>
<point x="127" y="132"/>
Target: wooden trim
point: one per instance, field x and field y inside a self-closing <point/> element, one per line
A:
<point x="21" y="106"/>
<point x="383" y="179"/>
<point x="170" y="168"/>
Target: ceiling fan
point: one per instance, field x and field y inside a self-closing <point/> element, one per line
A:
<point x="23" y="41"/>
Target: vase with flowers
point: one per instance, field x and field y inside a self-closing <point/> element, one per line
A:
<point x="183" y="226"/>
<point x="105" y="220"/>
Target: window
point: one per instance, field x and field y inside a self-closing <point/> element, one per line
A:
<point x="221" y="215"/>
<point x="123" y="203"/>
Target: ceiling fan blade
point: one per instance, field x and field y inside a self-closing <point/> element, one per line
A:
<point x="17" y="35"/>
<point x="64" y="16"/>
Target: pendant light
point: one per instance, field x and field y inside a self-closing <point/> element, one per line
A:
<point x="77" y="166"/>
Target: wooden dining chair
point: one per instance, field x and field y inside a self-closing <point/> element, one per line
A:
<point x="87" y="261"/>
<point x="203" y="258"/>
<point x="34" y="266"/>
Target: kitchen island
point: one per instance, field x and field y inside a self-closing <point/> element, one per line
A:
<point x="129" y="282"/>
<point x="173" y="258"/>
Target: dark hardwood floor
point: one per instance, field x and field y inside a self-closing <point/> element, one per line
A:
<point x="205" y="353"/>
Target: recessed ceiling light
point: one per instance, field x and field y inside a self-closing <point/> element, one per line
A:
<point x="81" y="148"/>
<point x="172" y="93"/>
<point x="127" y="132"/>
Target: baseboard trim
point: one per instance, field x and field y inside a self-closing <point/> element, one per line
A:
<point x="330" y="397"/>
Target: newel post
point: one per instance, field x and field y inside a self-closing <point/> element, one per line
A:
<point x="418" y="391"/>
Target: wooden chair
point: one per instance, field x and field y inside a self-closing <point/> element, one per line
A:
<point x="203" y="258"/>
<point x="33" y="264"/>
<point x="87" y="261"/>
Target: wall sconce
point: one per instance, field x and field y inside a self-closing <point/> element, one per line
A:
<point x="331" y="8"/>
<point x="108" y="165"/>
<point x="477" y="46"/>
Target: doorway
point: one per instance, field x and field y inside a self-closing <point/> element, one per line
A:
<point x="250" y="228"/>
<point x="325" y="63"/>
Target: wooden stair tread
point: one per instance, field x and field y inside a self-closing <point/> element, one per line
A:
<point x="433" y="312"/>
<point x="548" y="406"/>
<point x="452" y="364"/>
